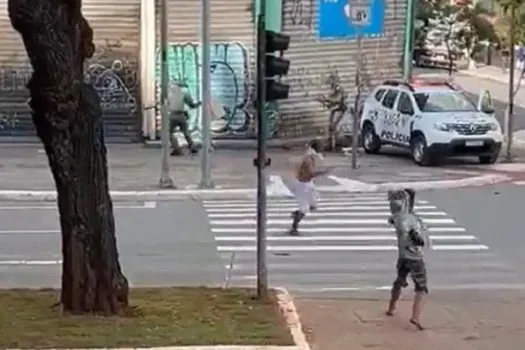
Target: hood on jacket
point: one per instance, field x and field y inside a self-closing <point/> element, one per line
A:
<point x="399" y="201"/>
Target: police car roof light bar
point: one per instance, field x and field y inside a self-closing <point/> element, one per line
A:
<point x="398" y="83"/>
<point x="434" y="82"/>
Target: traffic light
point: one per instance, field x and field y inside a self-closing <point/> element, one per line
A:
<point x="276" y="66"/>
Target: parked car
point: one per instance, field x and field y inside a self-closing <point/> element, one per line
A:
<point x="433" y="119"/>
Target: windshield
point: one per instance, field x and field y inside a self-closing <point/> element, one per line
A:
<point x="443" y="102"/>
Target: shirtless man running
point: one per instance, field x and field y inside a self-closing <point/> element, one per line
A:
<point x="305" y="191"/>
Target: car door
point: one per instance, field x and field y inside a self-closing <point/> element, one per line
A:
<point x="405" y="107"/>
<point x="485" y="103"/>
<point x="388" y="116"/>
<point x="372" y="108"/>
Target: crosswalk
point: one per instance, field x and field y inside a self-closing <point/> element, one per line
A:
<point x="346" y="245"/>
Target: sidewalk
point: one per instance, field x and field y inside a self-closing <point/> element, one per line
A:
<point x="135" y="171"/>
<point x="486" y="323"/>
<point x="137" y="168"/>
<point x="493" y="73"/>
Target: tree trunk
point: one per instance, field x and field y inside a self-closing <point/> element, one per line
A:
<point x="67" y="117"/>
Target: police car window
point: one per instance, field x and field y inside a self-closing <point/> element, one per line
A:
<point x="430" y="102"/>
<point x="404" y="105"/>
<point x="390" y="98"/>
<point x="379" y="94"/>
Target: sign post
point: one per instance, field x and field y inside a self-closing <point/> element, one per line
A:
<point x="165" y="179"/>
<point x="359" y="15"/>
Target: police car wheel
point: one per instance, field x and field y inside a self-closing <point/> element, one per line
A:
<point x="371" y="142"/>
<point x="420" y="155"/>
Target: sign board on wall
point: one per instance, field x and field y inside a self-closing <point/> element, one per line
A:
<point x="344" y="19"/>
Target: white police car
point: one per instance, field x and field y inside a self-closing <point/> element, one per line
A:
<point x="433" y="119"/>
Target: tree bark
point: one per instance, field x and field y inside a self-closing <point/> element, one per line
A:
<point x="67" y="116"/>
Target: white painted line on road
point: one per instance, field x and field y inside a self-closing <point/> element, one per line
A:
<point x="227" y="204"/>
<point x="252" y="230"/>
<point x="324" y="215"/>
<point x="308" y="222"/>
<point x="340" y="238"/>
<point x="150" y="204"/>
<point x="444" y="287"/>
<point x="320" y="248"/>
<point x="349" y="183"/>
<point x="30" y="262"/>
<point x="460" y="247"/>
<point x="519" y="183"/>
<point x="6" y="232"/>
<point x="348" y="198"/>
<point x="345" y="267"/>
<point x="146" y="205"/>
<point x="276" y="186"/>
<point x="252" y="209"/>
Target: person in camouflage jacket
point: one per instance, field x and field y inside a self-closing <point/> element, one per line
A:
<point x="411" y="239"/>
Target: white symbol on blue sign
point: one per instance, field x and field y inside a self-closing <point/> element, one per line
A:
<point x="340" y="19"/>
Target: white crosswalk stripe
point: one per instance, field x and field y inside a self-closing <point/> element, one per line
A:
<point x="346" y="245"/>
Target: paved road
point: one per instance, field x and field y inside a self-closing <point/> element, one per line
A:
<point x="493" y="213"/>
<point x="348" y="247"/>
<point x="160" y="244"/>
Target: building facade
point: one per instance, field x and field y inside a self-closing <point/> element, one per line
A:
<point x="113" y="71"/>
<point x="126" y="67"/>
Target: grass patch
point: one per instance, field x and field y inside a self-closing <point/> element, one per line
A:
<point x="158" y="317"/>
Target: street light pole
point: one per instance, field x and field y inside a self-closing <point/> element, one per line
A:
<point x="260" y="161"/>
<point x="355" y="116"/>
<point x="409" y="40"/>
<point x="510" y="110"/>
<point x="165" y="179"/>
<point x="359" y="17"/>
<point x="206" y="180"/>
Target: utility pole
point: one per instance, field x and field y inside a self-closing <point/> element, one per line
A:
<point x="165" y="179"/>
<point x="260" y="162"/>
<point x="355" y="112"/>
<point x="206" y="180"/>
<point x="510" y="110"/>
<point x="359" y="17"/>
<point x="409" y="40"/>
<point x="269" y="67"/>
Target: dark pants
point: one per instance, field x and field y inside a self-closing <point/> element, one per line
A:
<point x="179" y="119"/>
<point x="417" y="271"/>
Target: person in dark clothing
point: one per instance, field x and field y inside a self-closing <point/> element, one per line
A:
<point x="177" y="100"/>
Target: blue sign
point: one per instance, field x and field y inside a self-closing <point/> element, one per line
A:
<point x="337" y="19"/>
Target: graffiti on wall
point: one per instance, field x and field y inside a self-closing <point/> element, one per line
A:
<point x="301" y="12"/>
<point x="231" y="87"/>
<point x="115" y="80"/>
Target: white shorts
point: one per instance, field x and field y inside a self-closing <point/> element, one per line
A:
<point x="306" y="195"/>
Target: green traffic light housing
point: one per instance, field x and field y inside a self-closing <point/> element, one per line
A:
<point x="276" y="90"/>
<point x="276" y="66"/>
<point x="276" y="41"/>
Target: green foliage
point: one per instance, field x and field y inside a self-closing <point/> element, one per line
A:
<point x="478" y="25"/>
<point x="503" y="24"/>
<point x="508" y="5"/>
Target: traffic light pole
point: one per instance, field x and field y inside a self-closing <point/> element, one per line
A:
<point x="355" y="116"/>
<point x="261" y="162"/>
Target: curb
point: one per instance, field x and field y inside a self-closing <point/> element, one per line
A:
<point x="351" y="187"/>
<point x="485" y="76"/>
<point x="289" y="311"/>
